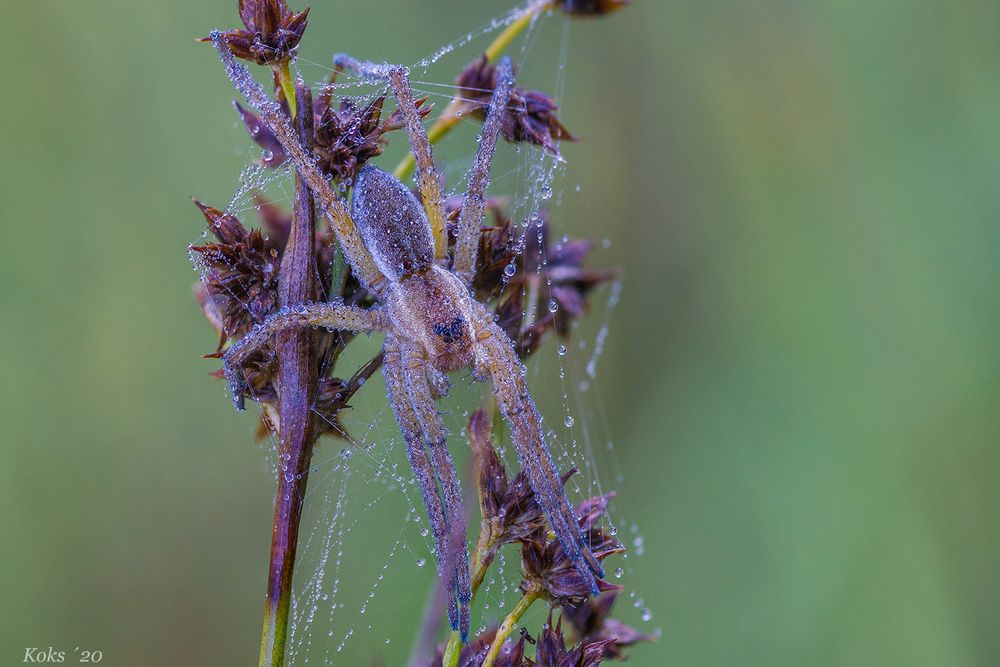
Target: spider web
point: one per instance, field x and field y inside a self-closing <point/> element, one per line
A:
<point x="364" y="534"/>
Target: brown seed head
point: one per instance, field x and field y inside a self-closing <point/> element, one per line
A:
<point x="530" y="115"/>
<point x="547" y="569"/>
<point x="554" y="276"/>
<point x="343" y="138"/>
<point x="272" y="32"/>
<point x="592" y="7"/>
<point x="591" y="622"/>
<point x="552" y="651"/>
<point x="509" y="510"/>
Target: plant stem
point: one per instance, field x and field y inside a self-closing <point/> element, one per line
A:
<point x="450" y="117"/>
<point x="479" y="570"/>
<point x="453" y="651"/>
<point x="508" y="625"/>
<point x="503" y="40"/>
<point x="297" y="385"/>
<point x="283" y="77"/>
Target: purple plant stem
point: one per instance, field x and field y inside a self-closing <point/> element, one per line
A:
<point x="297" y="385"/>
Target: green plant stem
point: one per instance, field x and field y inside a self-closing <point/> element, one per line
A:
<point x="283" y="78"/>
<point x="451" y="116"/>
<point x="453" y="650"/>
<point x="508" y="625"/>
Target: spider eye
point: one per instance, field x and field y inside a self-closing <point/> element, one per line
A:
<point x="452" y="331"/>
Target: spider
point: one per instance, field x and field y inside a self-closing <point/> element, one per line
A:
<point x="397" y="247"/>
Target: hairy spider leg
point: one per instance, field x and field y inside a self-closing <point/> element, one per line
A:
<point x="495" y="353"/>
<point x="422" y="401"/>
<point x="427" y="173"/>
<point x="413" y="438"/>
<point x="333" y="315"/>
<point x="474" y="202"/>
<point x="330" y="202"/>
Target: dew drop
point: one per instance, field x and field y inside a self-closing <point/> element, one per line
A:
<point x="266" y="155"/>
<point x="424" y="532"/>
<point x="562" y="350"/>
<point x="421" y="562"/>
<point x="345" y="453"/>
<point x="546" y="192"/>
<point x="553" y="306"/>
<point x="568" y="421"/>
<point x="509" y="270"/>
<point x="619" y="572"/>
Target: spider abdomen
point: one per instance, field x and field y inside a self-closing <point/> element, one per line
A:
<point x="392" y="223"/>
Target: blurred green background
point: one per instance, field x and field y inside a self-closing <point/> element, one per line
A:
<point x="801" y="378"/>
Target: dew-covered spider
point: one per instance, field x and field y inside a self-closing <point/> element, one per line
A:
<point x="397" y="247"/>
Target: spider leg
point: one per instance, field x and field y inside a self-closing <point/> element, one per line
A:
<point x="422" y="401"/>
<point x="474" y="202"/>
<point x="427" y="174"/>
<point x="495" y="353"/>
<point x="333" y="315"/>
<point x="334" y="209"/>
<point x="392" y="370"/>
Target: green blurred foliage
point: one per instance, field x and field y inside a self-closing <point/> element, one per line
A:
<point x="801" y="378"/>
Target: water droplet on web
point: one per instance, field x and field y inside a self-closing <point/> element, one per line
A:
<point x="509" y="270"/>
<point x="568" y="421"/>
<point x="553" y="306"/>
<point x="424" y="532"/>
<point x="647" y="615"/>
<point x="546" y="192"/>
<point x="562" y="350"/>
<point x="421" y="562"/>
<point x="619" y="572"/>
<point x="266" y="155"/>
<point x="345" y="453"/>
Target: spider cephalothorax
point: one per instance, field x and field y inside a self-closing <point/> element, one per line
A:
<point x="397" y="247"/>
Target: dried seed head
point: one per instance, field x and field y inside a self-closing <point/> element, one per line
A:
<point x="509" y="510"/>
<point x="343" y="139"/>
<point x="242" y="273"/>
<point x="559" y="267"/>
<point x="591" y="622"/>
<point x="240" y="290"/>
<point x="530" y="115"/>
<point x="549" y="571"/>
<point x="592" y="7"/>
<point x="473" y="653"/>
<point x="552" y="651"/>
<point x="508" y="279"/>
<point x="272" y="32"/>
